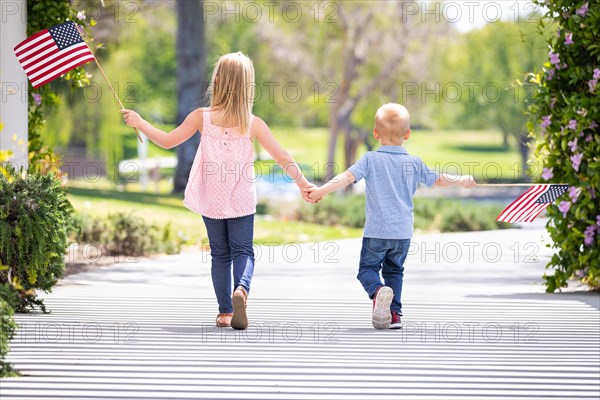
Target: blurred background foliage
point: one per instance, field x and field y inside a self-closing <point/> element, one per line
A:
<point x="449" y="79"/>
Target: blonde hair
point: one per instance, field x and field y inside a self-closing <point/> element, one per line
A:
<point x="231" y="89"/>
<point x="392" y="120"/>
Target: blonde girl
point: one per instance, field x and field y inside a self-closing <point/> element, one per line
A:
<point x="221" y="185"/>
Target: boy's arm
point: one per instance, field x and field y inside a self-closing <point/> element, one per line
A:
<point x="339" y="182"/>
<point x="183" y="132"/>
<point x="446" y="180"/>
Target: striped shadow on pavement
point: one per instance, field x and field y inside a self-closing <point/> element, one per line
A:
<point x="168" y="348"/>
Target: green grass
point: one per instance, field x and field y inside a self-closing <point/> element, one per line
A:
<point x="478" y="152"/>
<point x="162" y="209"/>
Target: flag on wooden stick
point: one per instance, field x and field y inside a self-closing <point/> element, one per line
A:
<point x="531" y="203"/>
<point x="52" y="52"/>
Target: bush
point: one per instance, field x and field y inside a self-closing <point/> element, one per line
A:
<point x="345" y="210"/>
<point x="8" y="302"/>
<point x="34" y="214"/>
<point x="125" y="234"/>
<point x="566" y="113"/>
<point x="430" y="214"/>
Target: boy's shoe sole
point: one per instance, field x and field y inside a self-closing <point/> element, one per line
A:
<point x="240" y="318"/>
<point x="381" y="310"/>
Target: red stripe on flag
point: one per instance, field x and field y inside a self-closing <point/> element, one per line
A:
<point x="33" y="57"/>
<point x="21" y="46"/>
<point x="63" y="71"/>
<point x="67" y="55"/>
<point x="514" y="204"/>
<point x="539" y="211"/>
<point x="529" y="206"/>
<point x="507" y="214"/>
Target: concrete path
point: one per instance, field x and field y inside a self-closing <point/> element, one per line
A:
<point x="478" y="325"/>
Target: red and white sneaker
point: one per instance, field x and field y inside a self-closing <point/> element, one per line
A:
<point x="381" y="307"/>
<point x="396" y="323"/>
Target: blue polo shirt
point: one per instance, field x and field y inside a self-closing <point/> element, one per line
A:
<point x="392" y="176"/>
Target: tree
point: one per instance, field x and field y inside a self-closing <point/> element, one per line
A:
<point x="489" y="65"/>
<point x="356" y="52"/>
<point x="191" y="79"/>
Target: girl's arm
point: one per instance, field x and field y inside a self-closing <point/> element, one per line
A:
<point x="183" y="132"/>
<point x="263" y="134"/>
<point x="339" y="182"/>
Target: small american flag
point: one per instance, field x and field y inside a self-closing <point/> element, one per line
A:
<point x="52" y="52"/>
<point x="531" y="203"/>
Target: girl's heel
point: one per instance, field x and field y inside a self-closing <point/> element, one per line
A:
<point x="240" y="318"/>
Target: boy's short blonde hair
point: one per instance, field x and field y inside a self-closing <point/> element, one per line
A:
<point x="392" y="120"/>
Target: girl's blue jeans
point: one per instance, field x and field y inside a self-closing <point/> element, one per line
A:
<point x="386" y="256"/>
<point x="230" y="246"/>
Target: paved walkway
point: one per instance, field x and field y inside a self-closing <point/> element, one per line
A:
<point x="477" y="325"/>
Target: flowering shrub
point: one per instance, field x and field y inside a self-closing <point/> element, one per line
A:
<point x="42" y="14"/>
<point x="567" y="107"/>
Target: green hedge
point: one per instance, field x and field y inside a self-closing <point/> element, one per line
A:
<point x="566" y="115"/>
<point x="125" y="234"/>
<point x="8" y="302"/>
<point x="34" y="215"/>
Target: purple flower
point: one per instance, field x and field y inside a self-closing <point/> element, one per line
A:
<point x="582" y="11"/>
<point x="547" y="174"/>
<point x="563" y="207"/>
<point x="546" y="121"/>
<point x="596" y="73"/>
<point x="598" y="221"/>
<point x="573" y="145"/>
<point x="589" y="233"/>
<point x="593" y="125"/>
<point x="574" y="193"/>
<point x="592" y="84"/>
<point x="569" y="38"/>
<point x="37" y="99"/>
<point x="572" y="124"/>
<point x="554" y="58"/>
<point x="576" y="161"/>
<point x="588" y="138"/>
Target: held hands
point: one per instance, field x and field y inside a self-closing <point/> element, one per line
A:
<point x="313" y="194"/>
<point x="306" y="192"/>
<point x="131" y="118"/>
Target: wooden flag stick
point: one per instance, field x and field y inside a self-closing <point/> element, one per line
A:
<point x="115" y="93"/>
<point x="515" y="184"/>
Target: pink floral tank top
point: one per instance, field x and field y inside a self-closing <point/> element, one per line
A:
<point x="221" y="182"/>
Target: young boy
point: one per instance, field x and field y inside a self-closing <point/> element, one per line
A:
<point x="391" y="176"/>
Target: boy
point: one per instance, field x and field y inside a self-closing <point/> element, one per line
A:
<point x="391" y="176"/>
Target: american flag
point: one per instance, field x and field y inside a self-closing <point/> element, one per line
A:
<point x="531" y="203"/>
<point x="52" y="52"/>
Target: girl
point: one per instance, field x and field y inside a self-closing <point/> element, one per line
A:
<point x="221" y="183"/>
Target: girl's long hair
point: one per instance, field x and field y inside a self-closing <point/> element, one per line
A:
<point x="231" y="89"/>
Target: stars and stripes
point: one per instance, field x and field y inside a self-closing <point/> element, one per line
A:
<point x="531" y="203"/>
<point x="52" y="52"/>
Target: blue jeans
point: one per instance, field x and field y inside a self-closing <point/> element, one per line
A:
<point x="230" y="245"/>
<point x="387" y="256"/>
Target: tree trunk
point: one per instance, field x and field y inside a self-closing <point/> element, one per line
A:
<point x="524" y="141"/>
<point x="191" y="76"/>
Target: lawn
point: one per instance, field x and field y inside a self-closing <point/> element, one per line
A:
<point x="479" y="153"/>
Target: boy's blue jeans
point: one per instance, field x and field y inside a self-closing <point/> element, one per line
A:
<point x="387" y="256"/>
<point x="230" y="245"/>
